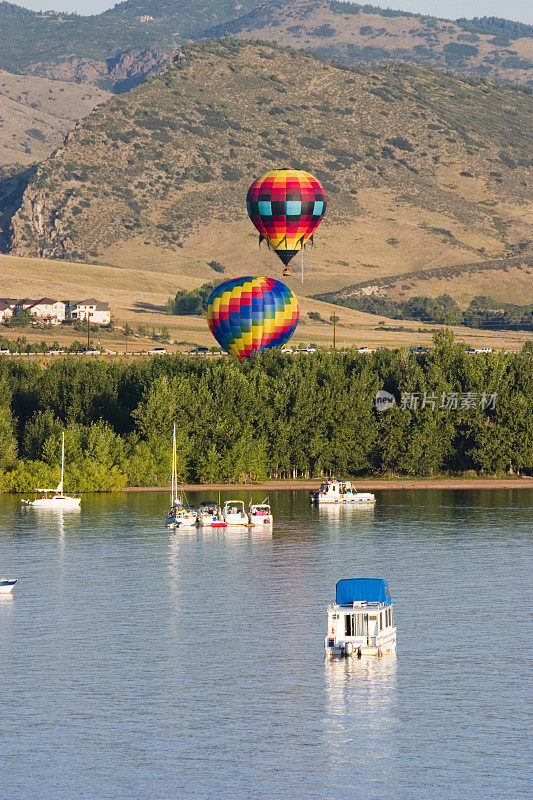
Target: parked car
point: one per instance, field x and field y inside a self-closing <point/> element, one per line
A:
<point x="199" y="351"/>
<point x="287" y="350"/>
<point x="419" y="349"/>
<point x="309" y="349"/>
<point x="482" y="349"/>
<point x="366" y="350"/>
<point x="157" y="351"/>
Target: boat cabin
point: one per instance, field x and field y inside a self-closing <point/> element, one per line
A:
<point x="361" y="622"/>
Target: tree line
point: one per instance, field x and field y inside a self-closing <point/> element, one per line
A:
<point x="483" y="312"/>
<point x="274" y="416"/>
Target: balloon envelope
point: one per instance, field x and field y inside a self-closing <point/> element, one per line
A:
<point x="286" y="206"/>
<point x="248" y="315"/>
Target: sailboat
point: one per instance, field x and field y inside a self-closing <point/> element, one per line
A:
<point x="57" y="498"/>
<point x="181" y="514"/>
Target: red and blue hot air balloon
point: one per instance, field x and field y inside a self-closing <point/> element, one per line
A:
<point x="249" y="315"/>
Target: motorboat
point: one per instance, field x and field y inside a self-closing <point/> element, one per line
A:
<point x="234" y="514"/>
<point x="260" y="514"/>
<point x="181" y="514"/>
<point x="334" y="491"/>
<point x="54" y="498"/>
<point x="208" y="515"/>
<point x="7" y="585"/>
<point x="361" y="622"/>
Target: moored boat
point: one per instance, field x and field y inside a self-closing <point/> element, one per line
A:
<point x="54" y="498"/>
<point x="181" y="514"/>
<point x="209" y="515"/>
<point x="234" y="514"/>
<point x="260" y="514"/>
<point x="7" y="585"/>
<point x="334" y="491"/>
<point x="361" y="622"/>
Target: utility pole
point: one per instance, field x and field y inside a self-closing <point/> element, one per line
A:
<point x="88" y="328"/>
<point x="334" y="329"/>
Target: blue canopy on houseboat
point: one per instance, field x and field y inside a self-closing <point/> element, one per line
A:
<point x="369" y="590"/>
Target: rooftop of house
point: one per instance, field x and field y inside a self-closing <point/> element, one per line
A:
<point x="99" y="306"/>
<point x="46" y="301"/>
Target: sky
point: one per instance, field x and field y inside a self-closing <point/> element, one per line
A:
<point x="521" y="10"/>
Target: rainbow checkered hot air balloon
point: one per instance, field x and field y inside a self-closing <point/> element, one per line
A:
<point x="249" y="315"/>
<point x="286" y="206"/>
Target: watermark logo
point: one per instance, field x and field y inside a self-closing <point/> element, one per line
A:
<point x="449" y="401"/>
<point x="384" y="400"/>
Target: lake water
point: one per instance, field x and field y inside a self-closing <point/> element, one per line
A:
<point x="138" y="663"/>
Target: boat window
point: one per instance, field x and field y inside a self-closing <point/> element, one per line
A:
<point x="381" y="620"/>
<point x="348" y="624"/>
<point x="361" y="624"/>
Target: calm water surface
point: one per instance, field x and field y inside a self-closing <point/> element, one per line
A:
<point x="138" y="663"/>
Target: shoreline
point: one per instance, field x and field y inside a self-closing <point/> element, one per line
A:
<point x="362" y="485"/>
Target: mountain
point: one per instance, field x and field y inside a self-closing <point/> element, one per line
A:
<point x="113" y="49"/>
<point x="117" y="48"/>
<point x="422" y="169"/>
<point x="350" y="33"/>
<point x="37" y="113"/>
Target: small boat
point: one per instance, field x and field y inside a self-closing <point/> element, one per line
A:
<point x="181" y="514"/>
<point x="54" y="498"/>
<point x="7" y="585"/>
<point x="361" y="622"/>
<point x="208" y="514"/>
<point x="234" y="514"/>
<point x="334" y="491"/>
<point x="260" y="514"/>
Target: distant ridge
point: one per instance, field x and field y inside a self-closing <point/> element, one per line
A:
<point x="116" y="49"/>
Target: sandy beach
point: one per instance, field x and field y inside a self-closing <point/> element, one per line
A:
<point x="363" y="485"/>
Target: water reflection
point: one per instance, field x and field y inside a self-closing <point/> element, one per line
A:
<point x="338" y="515"/>
<point x="361" y="713"/>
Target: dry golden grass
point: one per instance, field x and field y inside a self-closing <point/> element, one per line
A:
<point x="137" y="296"/>
<point x="51" y="107"/>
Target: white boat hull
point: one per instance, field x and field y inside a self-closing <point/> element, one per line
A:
<point x="236" y="521"/>
<point x="60" y="503"/>
<point x="349" y="648"/>
<point x="7" y="586"/>
<point x="261" y="522"/>
<point x="360" y="499"/>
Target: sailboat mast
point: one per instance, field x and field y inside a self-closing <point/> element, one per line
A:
<point x="59" y="489"/>
<point x="174" y="467"/>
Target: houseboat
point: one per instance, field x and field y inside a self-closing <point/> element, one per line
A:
<point x="233" y="513"/>
<point x="260" y="514"/>
<point x="361" y="622"/>
<point x="334" y="491"/>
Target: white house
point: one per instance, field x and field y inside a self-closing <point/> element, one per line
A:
<point x="48" y="310"/>
<point x="6" y="310"/>
<point x="97" y="312"/>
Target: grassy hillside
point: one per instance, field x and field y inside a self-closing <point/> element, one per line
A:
<point x="37" y="113"/>
<point x="351" y="33"/>
<point x="137" y="296"/>
<point x="422" y="170"/>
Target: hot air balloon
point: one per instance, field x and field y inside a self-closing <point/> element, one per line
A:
<point x="286" y="206"/>
<point x="248" y="315"/>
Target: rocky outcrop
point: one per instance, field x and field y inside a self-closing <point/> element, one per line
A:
<point x="117" y="74"/>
